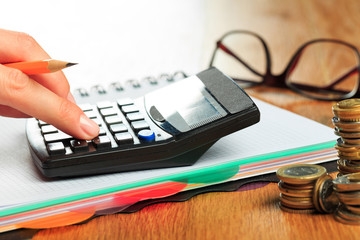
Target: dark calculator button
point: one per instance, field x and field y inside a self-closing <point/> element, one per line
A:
<point x="79" y="145"/>
<point x="134" y="116"/>
<point x="139" y="125"/>
<point x="146" y="135"/>
<point x="124" y="138"/>
<point x="86" y="107"/>
<point x="42" y="123"/>
<point x="113" y="120"/>
<point x="56" y="148"/>
<point x="129" y="108"/>
<point x="116" y="128"/>
<point x="125" y="101"/>
<point x="91" y="114"/>
<point x="56" y="137"/>
<point x="108" y="112"/>
<point x="102" y="142"/>
<point x="48" y="129"/>
<point x="104" y="104"/>
<point x="102" y="131"/>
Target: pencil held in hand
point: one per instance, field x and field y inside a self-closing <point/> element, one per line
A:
<point x="42" y="66"/>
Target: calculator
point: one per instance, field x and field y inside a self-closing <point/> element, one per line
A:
<point x="171" y="126"/>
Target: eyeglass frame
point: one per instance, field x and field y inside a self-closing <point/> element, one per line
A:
<point x="280" y="80"/>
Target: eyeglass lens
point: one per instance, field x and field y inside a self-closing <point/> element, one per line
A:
<point x="320" y="67"/>
<point x="250" y="50"/>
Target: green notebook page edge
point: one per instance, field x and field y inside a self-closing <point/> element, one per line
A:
<point x="174" y="177"/>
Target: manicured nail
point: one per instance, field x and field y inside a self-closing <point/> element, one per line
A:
<point x="89" y="126"/>
<point x="71" y="98"/>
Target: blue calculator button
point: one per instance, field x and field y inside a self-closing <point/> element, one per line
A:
<point x="146" y="135"/>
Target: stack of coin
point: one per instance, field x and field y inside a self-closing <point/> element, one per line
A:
<point x="347" y="125"/>
<point x="300" y="188"/>
<point x="347" y="188"/>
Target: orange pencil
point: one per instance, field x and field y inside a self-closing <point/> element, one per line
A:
<point x="37" y="67"/>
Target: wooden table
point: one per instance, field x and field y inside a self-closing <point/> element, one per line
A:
<point x="252" y="214"/>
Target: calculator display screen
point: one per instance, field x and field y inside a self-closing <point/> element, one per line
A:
<point x="186" y="104"/>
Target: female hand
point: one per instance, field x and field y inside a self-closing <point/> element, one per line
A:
<point x="44" y="96"/>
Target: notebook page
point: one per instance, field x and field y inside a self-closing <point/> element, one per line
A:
<point x="277" y="130"/>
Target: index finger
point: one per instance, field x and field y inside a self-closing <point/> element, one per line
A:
<point x="22" y="93"/>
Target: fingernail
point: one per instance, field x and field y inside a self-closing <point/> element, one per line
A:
<point x="89" y="126"/>
<point x="71" y="98"/>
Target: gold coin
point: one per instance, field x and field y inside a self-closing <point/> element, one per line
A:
<point x="340" y="108"/>
<point x="347" y="183"/>
<point x="297" y="186"/>
<point x="295" y="193"/>
<point x="328" y="199"/>
<point x="346" y="126"/>
<point x="340" y="142"/>
<point x="342" y="171"/>
<point x="351" y="141"/>
<point x="349" y="157"/>
<point x="347" y="134"/>
<point x="300" y="173"/>
<point x="296" y="205"/>
<point x="342" y="113"/>
<point x="351" y="118"/>
<point x="349" y="154"/>
<point x="344" y="166"/>
<point x="354" y="178"/>
<point x="347" y="149"/>
<point x="349" y="103"/>
<point x="348" y="130"/>
<point x="344" y="213"/>
<point x="353" y="163"/>
<point x="347" y="115"/>
<point x="349" y="198"/>
<point x="353" y="208"/>
<point x="345" y="221"/>
<point x="293" y="210"/>
<point x="315" y="196"/>
<point x="296" y="199"/>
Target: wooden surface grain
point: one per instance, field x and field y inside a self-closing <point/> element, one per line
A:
<point x="252" y="214"/>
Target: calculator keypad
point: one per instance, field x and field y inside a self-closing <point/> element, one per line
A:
<point x="121" y="124"/>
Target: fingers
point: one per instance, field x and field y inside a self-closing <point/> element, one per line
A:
<point x="47" y="98"/>
<point x="17" y="46"/>
<point x="20" y="92"/>
<point x="6" y="111"/>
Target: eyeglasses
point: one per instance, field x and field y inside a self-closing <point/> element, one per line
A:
<point x="324" y="69"/>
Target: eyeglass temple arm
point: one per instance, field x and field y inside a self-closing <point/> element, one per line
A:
<point x="228" y="51"/>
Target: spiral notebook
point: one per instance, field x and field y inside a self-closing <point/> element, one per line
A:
<point x="28" y="200"/>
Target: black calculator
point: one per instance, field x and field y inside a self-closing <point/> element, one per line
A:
<point x="171" y="126"/>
